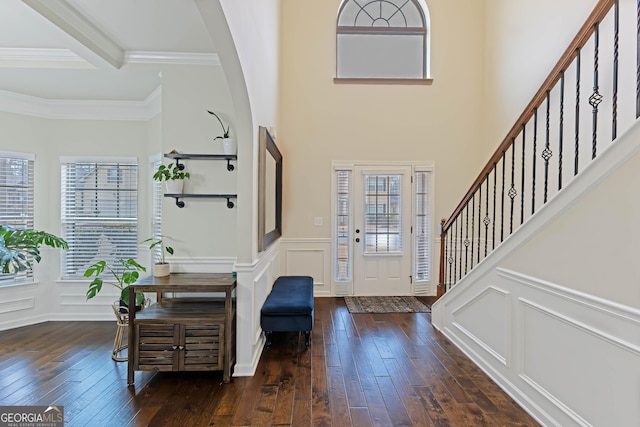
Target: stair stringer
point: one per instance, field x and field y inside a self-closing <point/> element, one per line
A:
<point x="567" y="356"/>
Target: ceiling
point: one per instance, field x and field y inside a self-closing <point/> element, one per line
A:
<point x="96" y="50"/>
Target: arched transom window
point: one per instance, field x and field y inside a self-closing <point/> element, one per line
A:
<point x="382" y="39"/>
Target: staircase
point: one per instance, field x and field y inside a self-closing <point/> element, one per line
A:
<point x="539" y="271"/>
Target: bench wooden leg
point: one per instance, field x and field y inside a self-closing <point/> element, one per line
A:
<point x="267" y="335"/>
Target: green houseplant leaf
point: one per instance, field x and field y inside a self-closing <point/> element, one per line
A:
<point x="16" y="246"/>
<point x="124" y="273"/>
<point x="225" y="132"/>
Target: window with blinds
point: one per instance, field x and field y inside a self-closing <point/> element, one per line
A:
<point x="383" y="225"/>
<point x="16" y="200"/>
<point x="99" y="212"/>
<point x="156" y="220"/>
<point x="343" y="226"/>
<point x="422" y="228"/>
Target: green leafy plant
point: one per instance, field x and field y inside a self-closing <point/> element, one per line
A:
<point x="130" y="273"/>
<point x="16" y="247"/>
<point x="170" y="172"/>
<point x="224" y="131"/>
<point x="163" y="248"/>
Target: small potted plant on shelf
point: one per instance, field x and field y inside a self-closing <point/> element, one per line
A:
<point x="124" y="272"/>
<point x="229" y="145"/>
<point x="160" y="268"/>
<point x="173" y="176"/>
<point x="17" y="246"/>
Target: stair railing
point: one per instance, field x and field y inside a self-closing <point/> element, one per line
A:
<point x="529" y="167"/>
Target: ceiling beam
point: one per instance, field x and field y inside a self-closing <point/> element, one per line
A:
<point x="87" y="40"/>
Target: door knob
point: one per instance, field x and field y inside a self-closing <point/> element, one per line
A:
<point x="357" y="230"/>
<point x="357" y="239"/>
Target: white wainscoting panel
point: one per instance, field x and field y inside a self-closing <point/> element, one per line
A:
<point x="309" y="257"/>
<point x="568" y="358"/>
<point x="485" y="320"/>
<point x="17" y="304"/>
<point x="255" y="281"/>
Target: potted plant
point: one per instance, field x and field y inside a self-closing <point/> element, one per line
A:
<point x="229" y="145"/>
<point x="128" y="274"/>
<point x="16" y="246"/>
<point x="173" y="176"/>
<point x="160" y="268"/>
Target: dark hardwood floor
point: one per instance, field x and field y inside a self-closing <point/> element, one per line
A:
<point x="361" y="370"/>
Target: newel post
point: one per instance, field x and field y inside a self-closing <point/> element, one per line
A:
<point x="443" y="238"/>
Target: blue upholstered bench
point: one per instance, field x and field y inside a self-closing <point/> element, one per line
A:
<point x="289" y="307"/>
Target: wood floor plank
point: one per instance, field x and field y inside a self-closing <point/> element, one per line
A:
<point x="320" y="409"/>
<point x="361" y="370"/>
<point x="338" y="397"/>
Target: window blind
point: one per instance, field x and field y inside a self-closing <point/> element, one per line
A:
<point x="343" y="226"/>
<point x="156" y="221"/>
<point x="16" y="200"/>
<point x="99" y="213"/>
<point x="422" y="228"/>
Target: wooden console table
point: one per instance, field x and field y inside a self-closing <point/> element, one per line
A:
<point x="180" y="333"/>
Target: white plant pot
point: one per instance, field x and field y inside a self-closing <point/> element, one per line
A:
<point x="174" y="186"/>
<point x="161" y="270"/>
<point x="229" y="146"/>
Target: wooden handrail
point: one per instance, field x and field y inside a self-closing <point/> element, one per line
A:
<point x="597" y="15"/>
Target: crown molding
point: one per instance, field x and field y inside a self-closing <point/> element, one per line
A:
<point x="176" y="58"/>
<point x="41" y="58"/>
<point x="61" y="109"/>
<point x="65" y="58"/>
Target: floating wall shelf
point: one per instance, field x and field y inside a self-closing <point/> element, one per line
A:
<point x="180" y="203"/>
<point x="178" y="156"/>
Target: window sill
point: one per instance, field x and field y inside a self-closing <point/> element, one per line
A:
<point x="381" y="81"/>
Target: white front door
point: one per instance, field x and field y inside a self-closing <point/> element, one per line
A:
<point x="382" y="224"/>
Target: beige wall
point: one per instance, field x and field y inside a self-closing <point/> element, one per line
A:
<point x="523" y="42"/>
<point x="322" y="121"/>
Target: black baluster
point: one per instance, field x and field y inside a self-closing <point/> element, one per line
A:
<point x="616" y="40"/>
<point x="502" y="203"/>
<point x="473" y="223"/>
<point x="451" y="258"/>
<point x="546" y="153"/>
<point x="512" y="190"/>
<point x="495" y="195"/>
<point x="454" y="255"/>
<point x="637" y="58"/>
<point x="460" y="265"/>
<point x="487" y="220"/>
<point x="535" y="157"/>
<point x="479" y="216"/>
<point x="595" y="99"/>
<point x="466" y="239"/>
<point x="561" y="136"/>
<point x="575" y="166"/>
<point x="524" y="130"/>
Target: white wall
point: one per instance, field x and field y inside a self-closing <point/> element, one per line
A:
<point x="246" y="35"/>
<point x="202" y="234"/>
<point x="552" y="315"/>
<point x="48" y="139"/>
